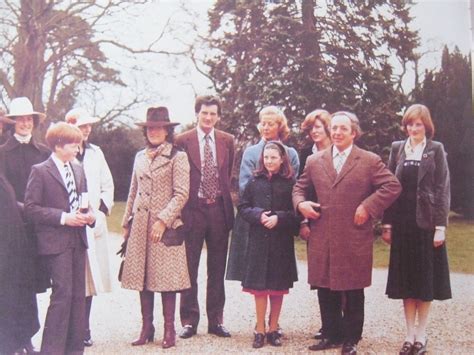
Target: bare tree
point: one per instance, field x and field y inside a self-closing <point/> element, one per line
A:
<point x="50" y="50"/>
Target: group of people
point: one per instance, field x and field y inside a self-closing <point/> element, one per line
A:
<point x="54" y="202"/>
<point x="180" y="197"/>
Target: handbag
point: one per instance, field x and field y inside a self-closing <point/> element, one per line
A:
<point x="173" y="237"/>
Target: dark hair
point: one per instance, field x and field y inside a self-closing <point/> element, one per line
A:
<point x="169" y="136"/>
<point x="423" y="113"/>
<point x="61" y="133"/>
<point x="207" y="100"/>
<point x="286" y="170"/>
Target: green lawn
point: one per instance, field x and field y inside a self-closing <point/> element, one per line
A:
<point x="460" y="242"/>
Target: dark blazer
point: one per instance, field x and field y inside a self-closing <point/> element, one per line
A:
<point x="46" y="198"/>
<point x="188" y="141"/>
<point x="433" y="190"/>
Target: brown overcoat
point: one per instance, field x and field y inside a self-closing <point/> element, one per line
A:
<point x="339" y="252"/>
<point x="159" y="190"/>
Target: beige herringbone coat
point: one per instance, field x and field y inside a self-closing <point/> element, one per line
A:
<point x="159" y="190"/>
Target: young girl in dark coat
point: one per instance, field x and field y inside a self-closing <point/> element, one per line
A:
<point x="270" y="256"/>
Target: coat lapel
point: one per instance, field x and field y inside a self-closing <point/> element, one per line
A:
<point x="401" y="157"/>
<point x="77" y="172"/>
<point x="193" y="149"/>
<point x="327" y="164"/>
<point x="426" y="160"/>
<point x="220" y="149"/>
<point x="53" y="170"/>
<point x="350" y="163"/>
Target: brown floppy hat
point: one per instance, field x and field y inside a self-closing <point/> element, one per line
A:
<point x="157" y="117"/>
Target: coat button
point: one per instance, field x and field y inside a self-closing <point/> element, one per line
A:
<point x="146" y="209"/>
<point x="138" y="209"/>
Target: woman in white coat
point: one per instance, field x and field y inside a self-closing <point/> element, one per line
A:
<point x="100" y="186"/>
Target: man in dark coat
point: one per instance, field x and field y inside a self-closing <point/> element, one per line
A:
<point x="208" y="215"/>
<point x="353" y="187"/>
<point x="52" y="203"/>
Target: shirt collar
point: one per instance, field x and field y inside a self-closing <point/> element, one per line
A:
<point x="420" y="146"/>
<point x="22" y="139"/>
<point x="346" y="151"/>
<point x="58" y="162"/>
<point x="201" y="134"/>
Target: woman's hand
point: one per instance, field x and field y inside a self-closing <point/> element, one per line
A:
<point x="439" y="238"/>
<point x="304" y="231"/>
<point x="268" y="221"/>
<point x="157" y="231"/>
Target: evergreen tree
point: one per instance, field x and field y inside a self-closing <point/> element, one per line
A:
<point x="327" y="54"/>
<point x="447" y="93"/>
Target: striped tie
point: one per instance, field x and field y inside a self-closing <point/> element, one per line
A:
<point x="71" y="189"/>
<point x="339" y="161"/>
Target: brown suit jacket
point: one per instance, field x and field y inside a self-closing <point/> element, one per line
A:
<point x="188" y="141"/>
<point x="339" y="252"/>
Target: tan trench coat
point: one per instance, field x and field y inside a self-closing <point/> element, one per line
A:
<point x="159" y="190"/>
<point x="339" y="252"/>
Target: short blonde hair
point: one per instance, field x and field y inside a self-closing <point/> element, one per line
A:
<point x="317" y="115"/>
<point x="423" y="113"/>
<point x="280" y="119"/>
<point x="61" y="133"/>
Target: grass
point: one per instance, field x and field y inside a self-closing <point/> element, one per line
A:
<point x="460" y="242"/>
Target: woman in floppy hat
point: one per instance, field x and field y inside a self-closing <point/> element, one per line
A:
<point x="100" y="188"/>
<point x="158" y="192"/>
<point x="17" y="155"/>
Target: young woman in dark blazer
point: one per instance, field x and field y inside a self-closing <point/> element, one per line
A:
<point x="415" y="225"/>
<point x="269" y="256"/>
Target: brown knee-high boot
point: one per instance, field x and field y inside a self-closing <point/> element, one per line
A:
<point x="168" y="300"/>
<point x="148" y="330"/>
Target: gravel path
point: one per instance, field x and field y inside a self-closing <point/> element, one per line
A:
<point x="116" y="319"/>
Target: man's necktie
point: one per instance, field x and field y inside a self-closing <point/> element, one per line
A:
<point x="210" y="183"/>
<point x="71" y="189"/>
<point x="339" y="161"/>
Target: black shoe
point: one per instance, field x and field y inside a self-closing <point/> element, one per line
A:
<point x="274" y="338"/>
<point x="419" y="348"/>
<point x="219" y="330"/>
<point x="258" y="340"/>
<point x="324" y="344"/>
<point x="88" y="342"/>
<point x="30" y="349"/>
<point x="187" y="332"/>
<point x="319" y="334"/>
<point x="349" y="348"/>
<point x="407" y="348"/>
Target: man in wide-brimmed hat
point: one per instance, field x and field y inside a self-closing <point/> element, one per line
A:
<point x="17" y="155"/>
<point x="100" y="187"/>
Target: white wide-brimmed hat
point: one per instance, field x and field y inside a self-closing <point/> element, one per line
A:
<point x="79" y="116"/>
<point x="21" y="106"/>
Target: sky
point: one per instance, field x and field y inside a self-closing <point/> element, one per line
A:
<point x="165" y="81"/>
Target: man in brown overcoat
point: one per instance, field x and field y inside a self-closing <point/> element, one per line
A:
<point x="353" y="187"/>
